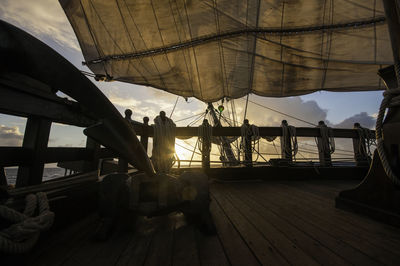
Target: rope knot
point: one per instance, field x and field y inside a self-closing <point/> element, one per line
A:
<point x="23" y="234"/>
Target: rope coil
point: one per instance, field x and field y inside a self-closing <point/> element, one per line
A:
<point x="24" y="233"/>
<point x="391" y="98"/>
<point x="290" y="131"/>
<point x="326" y="142"/>
<point x="204" y="136"/>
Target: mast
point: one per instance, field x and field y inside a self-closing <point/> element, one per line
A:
<point x="226" y="146"/>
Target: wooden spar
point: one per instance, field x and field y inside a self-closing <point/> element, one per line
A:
<point x="24" y="54"/>
<point x="21" y="95"/>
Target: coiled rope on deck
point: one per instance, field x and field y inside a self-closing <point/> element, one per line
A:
<point x="391" y="98"/>
<point x="24" y="233"/>
<point x="289" y="131"/>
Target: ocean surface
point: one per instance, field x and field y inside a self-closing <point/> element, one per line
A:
<point x="48" y="174"/>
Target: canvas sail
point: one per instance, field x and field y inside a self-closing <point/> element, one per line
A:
<point x="229" y="48"/>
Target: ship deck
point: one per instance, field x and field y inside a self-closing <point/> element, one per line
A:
<point x="268" y="223"/>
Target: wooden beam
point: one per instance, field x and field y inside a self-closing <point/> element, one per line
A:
<point x="13" y="156"/>
<point x="21" y="100"/>
<point x="264" y="131"/>
<point x="36" y="137"/>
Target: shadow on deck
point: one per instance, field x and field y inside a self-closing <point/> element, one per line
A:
<point x="269" y="223"/>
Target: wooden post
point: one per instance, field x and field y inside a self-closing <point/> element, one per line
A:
<point x="286" y="143"/>
<point x="204" y="136"/>
<point x="94" y="148"/>
<point x="144" y="138"/>
<point x="360" y="148"/>
<point x="3" y="179"/>
<point x="36" y="137"/>
<point x="248" y="154"/>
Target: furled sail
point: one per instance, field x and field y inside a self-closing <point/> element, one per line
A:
<point x="211" y="49"/>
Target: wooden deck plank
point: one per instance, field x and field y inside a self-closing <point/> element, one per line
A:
<point x="283" y="244"/>
<point x="388" y="236"/>
<point x="62" y="244"/>
<point x="136" y="250"/>
<point x="330" y="225"/>
<point x="313" y="247"/>
<point x="260" y="246"/>
<point x="100" y="253"/>
<point x="235" y="248"/>
<point x="185" y="249"/>
<point x="161" y="247"/>
<point x="267" y="199"/>
<point x="257" y="223"/>
<point x="211" y="252"/>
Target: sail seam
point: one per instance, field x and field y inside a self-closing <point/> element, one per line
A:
<point x="232" y="34"/>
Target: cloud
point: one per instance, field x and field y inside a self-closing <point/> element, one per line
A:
<point x="43" y="18"/>
<point x="308" y="111"/>
<point x="365" y="120"/>
<point x="10" y="136"/>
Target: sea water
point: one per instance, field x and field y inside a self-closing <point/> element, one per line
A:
<point x="48" y="174"/>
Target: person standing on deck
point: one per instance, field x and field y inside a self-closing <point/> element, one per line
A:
<point x="163" y="143"/>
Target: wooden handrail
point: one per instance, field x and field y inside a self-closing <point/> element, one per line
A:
<point x="264" y="131"/>
<point x="12" y="156"/>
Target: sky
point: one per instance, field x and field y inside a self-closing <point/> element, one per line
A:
<point x="46" y="20"/>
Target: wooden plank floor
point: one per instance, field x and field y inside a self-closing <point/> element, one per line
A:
<point x="267" y="223"/>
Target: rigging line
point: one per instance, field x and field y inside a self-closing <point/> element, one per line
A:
<point x="109" y="34"/>
<point x="253" y="58"/>
<point x="95" y="41"/>
<point x="245" y="109"/>
<point x="194" y="50"/>
<point x="159" y="31"/>
<point x="231" y="34"/>
<point x="223" y="74"/>
<point x="198" y="119"/>
<point x="87" y="73"/>
<point x="375" y="40"/>
<point x="173" y="109"/>
<point x="193" y="146"/>
<point x="315" y="146"/>
<point x="194" y="150"/>
<point x="280" y="43"/>
<point x="144" y="43"/>
<point x="180" y="40"/>
<point x="131" y="43"/>
<point x="186" y="148"/>
<point x="276" y="111"/>
<point x="183" y="119"/>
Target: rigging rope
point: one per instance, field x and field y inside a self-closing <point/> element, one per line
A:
<point x="391" y="98"/>
<point x="245" y="109"/>
<point x="325" y="143"/>
<point x="24" y="233"/>
<point x="173" y="109"/>
<point x="276" y="111"/>
<point x="289" y="133"/>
